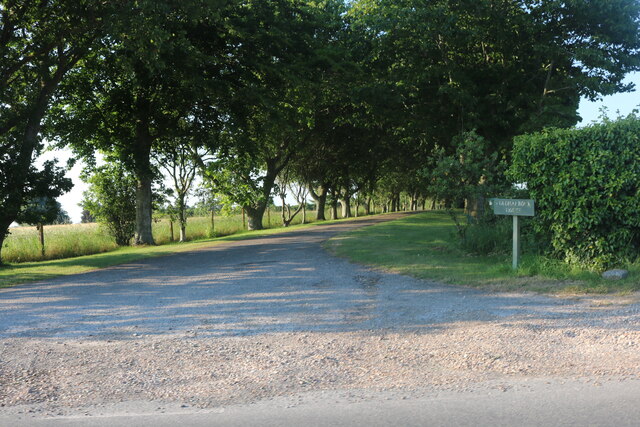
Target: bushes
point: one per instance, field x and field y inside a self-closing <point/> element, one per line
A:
<point x="111" y="199"/>
<point x="586" y="184"/>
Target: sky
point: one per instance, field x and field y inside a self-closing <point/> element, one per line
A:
<point x="622" y="104"/>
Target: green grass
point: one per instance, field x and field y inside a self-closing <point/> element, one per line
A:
<point x="424" y="246"/>
<point x="73" y="240"/>
<point x="61" y="241"/>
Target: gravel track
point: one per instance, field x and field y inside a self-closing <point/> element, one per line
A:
<point x="277" y="316"/>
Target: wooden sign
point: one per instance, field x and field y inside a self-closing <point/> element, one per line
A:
<point x="519" y="207"/>
<point x="515" y="208"/>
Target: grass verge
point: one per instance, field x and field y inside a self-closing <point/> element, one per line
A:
<point x="424" y="246"/>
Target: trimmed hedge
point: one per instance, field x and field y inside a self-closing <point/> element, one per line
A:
<point x="586" y="184"/>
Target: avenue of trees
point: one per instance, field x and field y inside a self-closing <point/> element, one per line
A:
<point x="345" y="99"/>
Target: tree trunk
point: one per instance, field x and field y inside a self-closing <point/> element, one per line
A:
<point x="346" y="207"/>
<point x="4" y="227"/>
<point x="367" y="206"/>
<point x="414" y="202"/>
<point x="144" y="209"/>
<point x="254" y="217"/>
<point x="144" y="174"/>
<point x="334" y="209"/>
<point x="357" y="207"/>
<point x="474" y="206"/>
<point x="2" y="237"/>
<point x="255" y="213"/>
<point x="304" y="213"/>
<point x="283" y="214"/>
<point x="321" y="201"/>
<point x="171" y="230"/>
<point x="183" y="232"/>
<point x="182" y="216"/>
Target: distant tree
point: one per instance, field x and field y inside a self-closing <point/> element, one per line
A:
<point x="111" y="199"/>
<point x="285" y="183"/>
<point x="62" y="218"/>
<point x="177" y="160"/>
<point x="87" y="217"/>
<point x="40" y="211"/>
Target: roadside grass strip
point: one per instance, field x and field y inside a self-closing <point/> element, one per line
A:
<point x="424" y="246"/>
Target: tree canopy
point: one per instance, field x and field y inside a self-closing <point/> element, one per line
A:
<point x="347" y="97"/>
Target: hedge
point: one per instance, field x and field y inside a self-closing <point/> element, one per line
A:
<point x="586" y="184"/>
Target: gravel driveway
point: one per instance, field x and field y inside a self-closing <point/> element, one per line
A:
<point x="277" y="316"/>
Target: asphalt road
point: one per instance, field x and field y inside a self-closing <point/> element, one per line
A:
<point x="522" y="403"/>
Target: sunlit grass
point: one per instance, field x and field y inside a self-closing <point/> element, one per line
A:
<point x="16" y="273"/>
<point x="226" y="229"/>
<point x="424" y="246"/>
<point x="61" y="241"/>
<point x="73" y="240"/>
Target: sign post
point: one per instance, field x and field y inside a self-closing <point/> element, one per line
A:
<point x="515" y="208"/>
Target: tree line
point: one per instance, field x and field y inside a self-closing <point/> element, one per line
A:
<point x="342" y="97"/>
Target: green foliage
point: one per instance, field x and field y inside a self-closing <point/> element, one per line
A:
<point x="62" y="218"/>
<point x="586" y="184"/>
<point x="40" y="43"/>
<point x="40" y="210"/>
<point x="111" y="199"/>
<point x="469" y="173"/>
<point x="499" y="67"/>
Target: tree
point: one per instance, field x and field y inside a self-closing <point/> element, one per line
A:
<point x="111" y="199"/>
<point x="470" y="172"/>
<point x="148" y="83"/>
<point x="62" y="218"/>
<point x="87" y="217"/>
<point x="40" y="211"/>
<point x="40" y="42"/>
<point x="177" y="160"/>
<point x="499" y="67"/>
<point x="284" y="183"/>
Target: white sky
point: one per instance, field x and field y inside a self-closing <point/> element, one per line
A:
<point x="589" y="111"/>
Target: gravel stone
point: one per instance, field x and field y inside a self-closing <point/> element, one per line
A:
<point x="277" y="317"/>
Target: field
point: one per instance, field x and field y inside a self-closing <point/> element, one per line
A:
<point x="66" y="241"/>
